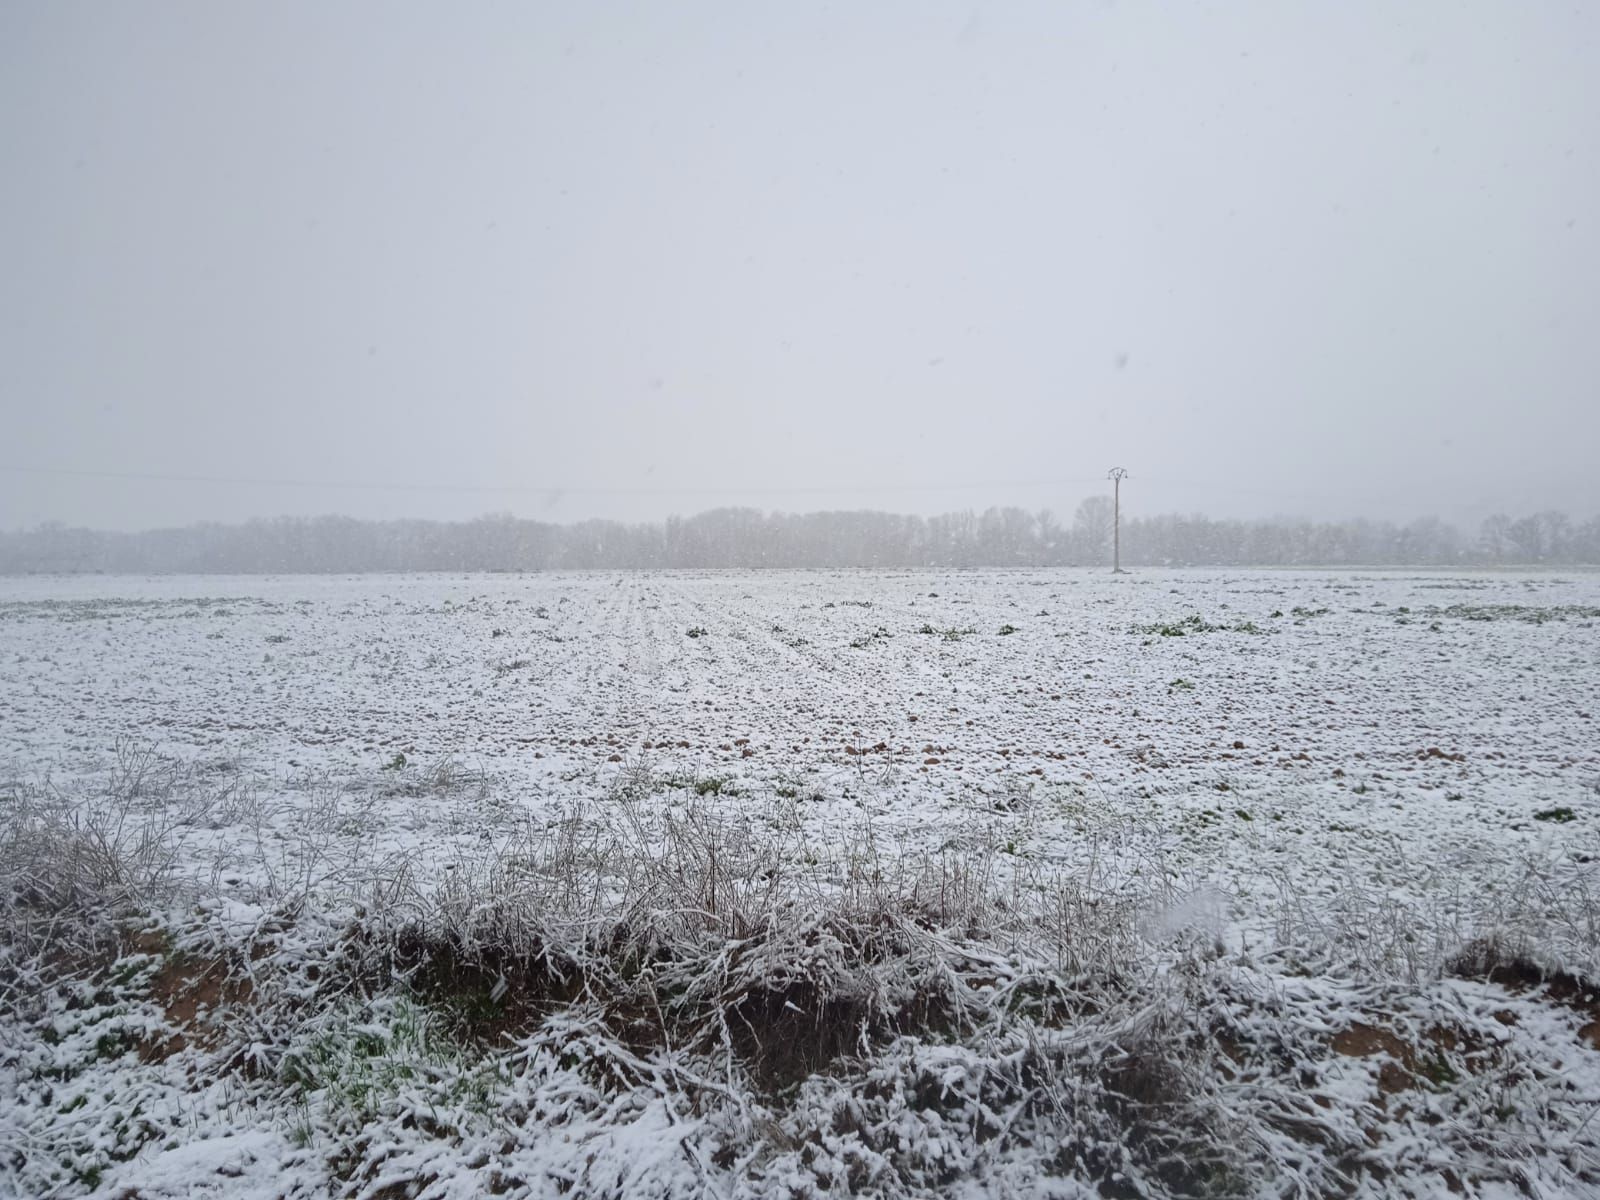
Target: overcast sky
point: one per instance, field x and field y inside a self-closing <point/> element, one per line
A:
<point x="626" y="260"/>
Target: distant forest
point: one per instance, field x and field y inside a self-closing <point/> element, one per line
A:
<point x="742" y="537"/>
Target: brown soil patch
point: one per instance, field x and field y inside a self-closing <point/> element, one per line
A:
<point x="1557" y="987"/>
<point x="1365" y="1041"/>
<point x="490" y="992"/>
<point x="191" y="992"/>
<point x="1432" y="1062"/>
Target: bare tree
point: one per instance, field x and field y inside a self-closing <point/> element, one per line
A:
<point x="1091" y="528"/>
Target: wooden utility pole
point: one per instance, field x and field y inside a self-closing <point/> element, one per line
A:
<point x="1116" y="475"/>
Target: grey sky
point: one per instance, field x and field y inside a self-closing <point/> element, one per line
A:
<point x="1325" y="259"/>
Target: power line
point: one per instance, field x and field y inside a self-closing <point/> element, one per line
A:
<point x="558" y="490"/>
<point x="535" y="489"/>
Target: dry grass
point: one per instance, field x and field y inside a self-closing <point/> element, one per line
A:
<point x="864" y="1020"/>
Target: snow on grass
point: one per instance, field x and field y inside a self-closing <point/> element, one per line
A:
<point x="439" y="886"/>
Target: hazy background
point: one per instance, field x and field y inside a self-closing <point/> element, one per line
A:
<point x="627" y="260"/>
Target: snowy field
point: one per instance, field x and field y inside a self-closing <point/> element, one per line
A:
<point x="1388" y="730"/>
<point x="1324" y="792"/>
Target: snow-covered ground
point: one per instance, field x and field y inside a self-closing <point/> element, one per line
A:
<point x="1391" y="730"/>
<point x="1276" y="759"/>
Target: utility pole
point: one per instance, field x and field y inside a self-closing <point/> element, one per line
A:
<point x="1116" y="475"/>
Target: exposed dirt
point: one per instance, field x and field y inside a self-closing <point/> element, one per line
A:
<point x="194" y="994"/>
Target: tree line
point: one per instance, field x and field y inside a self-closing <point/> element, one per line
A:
<point x="751" y="538"/>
